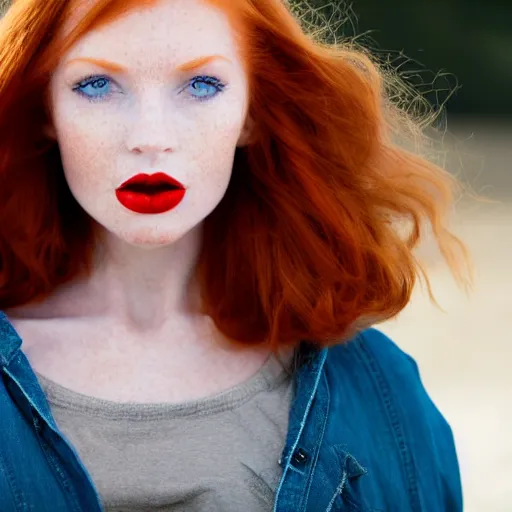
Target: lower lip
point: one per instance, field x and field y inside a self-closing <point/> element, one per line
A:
<point x="150" y="203"/>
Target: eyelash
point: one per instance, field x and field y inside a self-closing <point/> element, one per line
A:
<point x="91" y="79"/>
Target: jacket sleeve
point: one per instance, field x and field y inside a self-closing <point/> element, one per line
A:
<point x="444" y="448"/>
<point x="428" y="443"/>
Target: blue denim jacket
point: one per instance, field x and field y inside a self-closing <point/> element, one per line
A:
<point x="363" y="436"/>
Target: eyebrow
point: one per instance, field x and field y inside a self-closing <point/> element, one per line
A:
<point x="118" y="68"/>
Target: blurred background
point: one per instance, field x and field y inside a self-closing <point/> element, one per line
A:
<point x="458" y="53"/>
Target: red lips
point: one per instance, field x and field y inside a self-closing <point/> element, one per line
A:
<point x="150" y="194"/>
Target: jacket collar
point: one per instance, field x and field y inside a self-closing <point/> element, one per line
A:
<point x="10" y="342"/>
<point x="13" y="362"/>
<point x="307" y="377"/>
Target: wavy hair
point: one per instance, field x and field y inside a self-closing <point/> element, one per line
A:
<point x="307" y="242"/>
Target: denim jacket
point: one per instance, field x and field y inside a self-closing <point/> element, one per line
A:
<point x="363" y="436"/>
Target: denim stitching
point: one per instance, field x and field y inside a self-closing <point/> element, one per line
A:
<point x="383" y="389"/>
<point x="293" y="468"/>
<point x="324" y="423"/>
<point x="301" y="428"/>
<point x="338" y="492"/>
<point x="17" y="494"/>
<point x="54" y="464"/>
<point x="48" y="456"/>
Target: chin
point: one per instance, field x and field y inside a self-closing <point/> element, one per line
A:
<point x="158" y="236"/>
<point x="148" y="241"/>
<point x="149" y="233"/>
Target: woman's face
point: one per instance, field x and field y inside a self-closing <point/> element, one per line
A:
<point x="160" y="90"/>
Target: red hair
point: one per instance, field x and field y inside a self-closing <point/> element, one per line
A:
<point x="305" y="243"/>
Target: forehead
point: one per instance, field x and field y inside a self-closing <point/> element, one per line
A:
<point x="179" y="27"/>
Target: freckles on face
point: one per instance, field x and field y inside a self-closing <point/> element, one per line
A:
<point x="88" y="148"/>
<point x="214" y="140"/>
<point x="170" y="98"/>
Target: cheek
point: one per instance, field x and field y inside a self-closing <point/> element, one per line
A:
<point x="214" y="157"/>
<point x="84" y="147"/>
<point x="217" y="139"/>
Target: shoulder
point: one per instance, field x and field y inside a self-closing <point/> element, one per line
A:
<point x="374" y="365"/>
<point x="379" y="364"/>
<point x="373" y="382"/>
<point x="374" y="348"/>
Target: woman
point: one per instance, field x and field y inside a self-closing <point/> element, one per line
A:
<point x="198" y="226"/>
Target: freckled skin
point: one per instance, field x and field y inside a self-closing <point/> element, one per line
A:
<point x="150" y="124"/>
<point x="137" y="313"/>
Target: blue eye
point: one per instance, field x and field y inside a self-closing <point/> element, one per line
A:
<point x="205" y="87"/>
<point x="94" y="88"/>
<point x="97" y="88"/>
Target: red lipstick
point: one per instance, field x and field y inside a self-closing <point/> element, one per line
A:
<point x="150" y="193"/>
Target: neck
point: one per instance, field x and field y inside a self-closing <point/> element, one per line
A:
<point x="145" y="286"/>
<point x="144" y="289"/>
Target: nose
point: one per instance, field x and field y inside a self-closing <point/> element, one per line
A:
<point x="150" y="149"/>
<point x="150" y="131"/>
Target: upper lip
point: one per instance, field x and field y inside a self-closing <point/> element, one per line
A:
<point x="159" y="178"/>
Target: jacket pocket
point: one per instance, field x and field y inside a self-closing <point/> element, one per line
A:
<point x="348" y="496"/>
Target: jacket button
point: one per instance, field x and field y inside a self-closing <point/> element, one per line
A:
<point x="300" y="456"/>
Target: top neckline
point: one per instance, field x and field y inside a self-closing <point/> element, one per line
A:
<point x="269" y="376"/>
